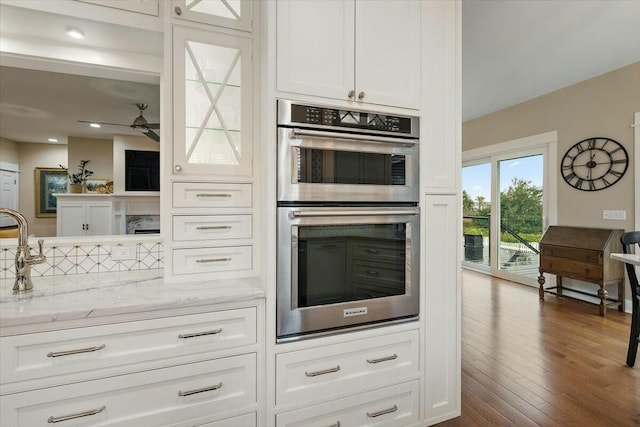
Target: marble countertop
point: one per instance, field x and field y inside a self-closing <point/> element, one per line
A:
<point x="91" y="296"/>
<point x="630" y="258"/>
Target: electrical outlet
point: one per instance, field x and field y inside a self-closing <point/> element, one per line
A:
<point x="615" y="215"/>
<point x="123" y="253"/>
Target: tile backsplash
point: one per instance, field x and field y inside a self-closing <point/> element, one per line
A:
<point x="64" y="259"/>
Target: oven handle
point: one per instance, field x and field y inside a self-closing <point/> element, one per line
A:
<point x="300" y="214"/>
<point x="351" y="137"/>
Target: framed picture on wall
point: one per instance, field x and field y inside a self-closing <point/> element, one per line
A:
<point x="48" y="182"/>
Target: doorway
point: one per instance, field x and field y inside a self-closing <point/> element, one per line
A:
<point x="8" y="194"/>
<point x="509" y="199"/>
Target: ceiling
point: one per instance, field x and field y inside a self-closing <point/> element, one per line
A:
<point x="38" y="105"/>
<point x="513" y="51"/>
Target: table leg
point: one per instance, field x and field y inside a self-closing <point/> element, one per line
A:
<point x="621" y="295"/>
<point x="559" y="285"/>
<point x="602" y="294"/>
<point x="541" y="281"/>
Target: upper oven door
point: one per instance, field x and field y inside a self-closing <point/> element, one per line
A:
<point x="324" y="166"/>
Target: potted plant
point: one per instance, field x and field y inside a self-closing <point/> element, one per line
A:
<point x="78" y="181"/>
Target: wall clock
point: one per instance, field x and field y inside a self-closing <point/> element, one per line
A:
<point x="594" y="164"/>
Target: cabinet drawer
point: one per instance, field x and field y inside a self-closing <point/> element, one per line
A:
<point x="560" y="265"/>
<point x="391" y="274"/>
<point x="323" y="371"/>
<point x="211" y="195"/>
<point x="87" y="350"/>
<point x="155" y="397"/>
<point x="204" y="227"/>
<point x="379" y="251"/>
<point x="396" y="406"/>
<point x="591" y="257"/>
<point x="248" y="420"/>
<point x="211" y="260"/>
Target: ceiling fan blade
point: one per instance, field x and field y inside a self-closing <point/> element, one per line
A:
<point x="151" y="134"/>
<point x="153" y="125"/>
<point x="102" y="123"/>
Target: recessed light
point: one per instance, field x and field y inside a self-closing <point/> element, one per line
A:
<point x="52" y="139"/>
<point x="95" y="125"/>
<point x="75" y="33"/>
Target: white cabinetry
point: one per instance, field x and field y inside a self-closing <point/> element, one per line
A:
<point x="323" y="371"/>
<point x="443" y="316"/>
<point x="212" y="97"/>
<point x="223" y="13"/>
<point x="195" y="369"/>
<point x="363" y="51"/>
<point x="350" y="380"/>
<point x="395" y="406"/>
<point x="84" y="215"/>
<point x="211" y="205"/>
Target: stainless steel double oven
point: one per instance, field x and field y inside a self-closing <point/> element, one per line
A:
<point x="348" y="219"/>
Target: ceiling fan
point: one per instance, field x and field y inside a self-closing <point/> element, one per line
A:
<point x="140" y="123"/>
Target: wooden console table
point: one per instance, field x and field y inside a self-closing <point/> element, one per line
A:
<point x="582" y="254"/>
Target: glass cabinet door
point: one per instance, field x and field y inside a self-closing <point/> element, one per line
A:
<point x="225" y="13"/>
<point x="212" y="96"/>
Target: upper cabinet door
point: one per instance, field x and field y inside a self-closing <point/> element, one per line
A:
<point x="212" y="110"/>
<point x="235" y="14"/>
<point x="388" y="53"/>
<point x="315" y="47"/>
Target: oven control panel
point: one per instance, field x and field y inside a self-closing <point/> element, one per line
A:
<point x="310" y="115"/>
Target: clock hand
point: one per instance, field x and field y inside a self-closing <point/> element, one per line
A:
<point x="596" y="163"/>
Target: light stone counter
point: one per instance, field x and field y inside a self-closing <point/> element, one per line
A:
<point x="92" y="298"/>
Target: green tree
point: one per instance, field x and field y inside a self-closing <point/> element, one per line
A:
<point x="521" y="206"/>
<point x="467" y="203"/>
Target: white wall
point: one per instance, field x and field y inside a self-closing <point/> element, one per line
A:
<point x="9" y="151"/>
<point x="99" y="152"/>
<point x="604" y="107"/>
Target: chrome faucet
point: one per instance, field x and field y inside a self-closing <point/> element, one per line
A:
<point x="24" y="259"/>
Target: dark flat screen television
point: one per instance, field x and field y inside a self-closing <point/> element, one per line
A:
<point x="142" y="170"/>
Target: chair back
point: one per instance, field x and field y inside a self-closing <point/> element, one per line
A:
<point x="628" y="240"/>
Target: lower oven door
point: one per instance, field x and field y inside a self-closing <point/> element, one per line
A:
<point x="345" y="267"/>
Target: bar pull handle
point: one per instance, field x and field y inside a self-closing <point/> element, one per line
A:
<point x="200" y="390"/>
<point x="213" y="195"/>
<point x="394" y="408"/>
<point x="318" y="213"/>
<point x="53" y="420"/>
<point x="372" y="273"/>
<point x="324" y="371"/>
<point x="372" y="251"/>
<point x="204" y="260"/>
<point x="78" y="351"/>
<point x="372" y="139"/>
<point x="382" y="359"/>
<point x="213" y="227"/>
<point x="200" y="334"/>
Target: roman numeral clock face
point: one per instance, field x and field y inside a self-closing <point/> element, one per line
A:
<point x="594" y="164"/>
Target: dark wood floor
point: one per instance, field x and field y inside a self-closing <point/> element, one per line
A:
<point x="556" y="363"/>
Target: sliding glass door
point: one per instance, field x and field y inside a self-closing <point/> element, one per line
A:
<point x="507" y="202"/>
<point x="520" y="214"/>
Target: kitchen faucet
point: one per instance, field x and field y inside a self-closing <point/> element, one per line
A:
<point x="24" y="259"/>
